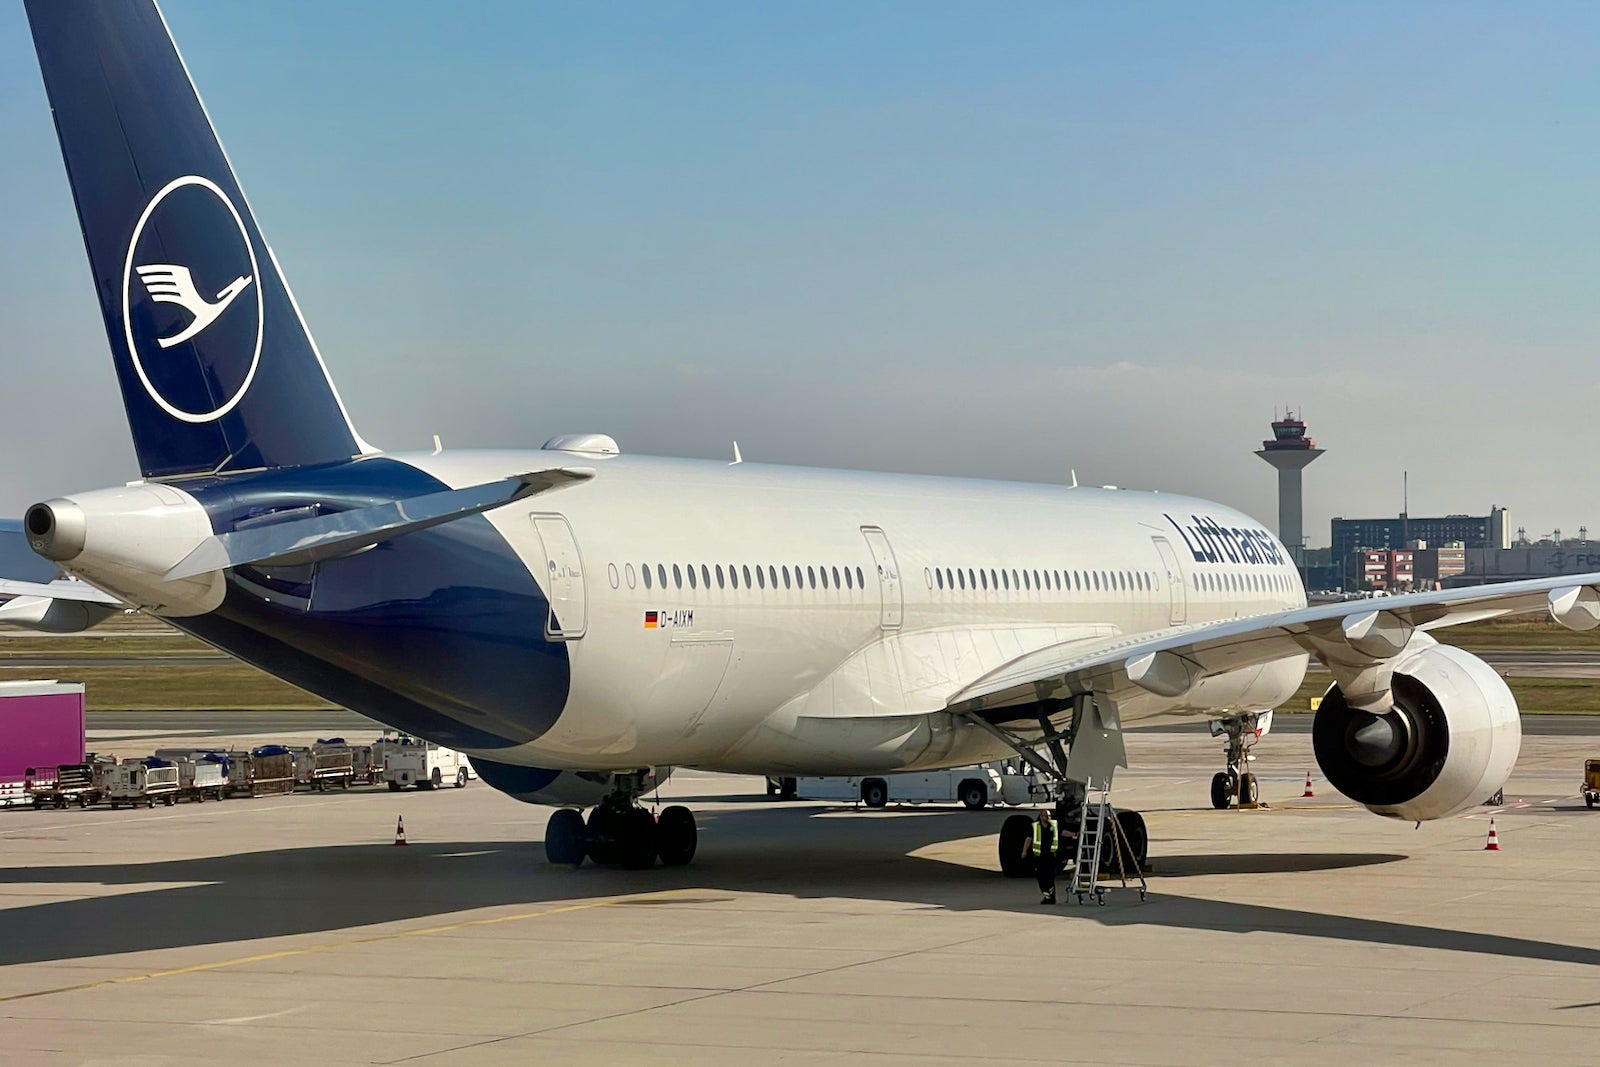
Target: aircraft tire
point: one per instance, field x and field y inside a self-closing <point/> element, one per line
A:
<point x="1249" y="789"/>
<point x="604" y="834"/>
<point x="1134" y="841"/>
<point x="1221" y="793"/>
<point x="974" y="794"/>
<point x="875" y="793"/>
<point x="564" y="838"/>
<point x="676" y="836"/>
<point x="637" y="844"/>
<point x="1013" y="832"/>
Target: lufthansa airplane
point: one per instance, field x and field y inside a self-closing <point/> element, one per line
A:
<point x="580" y="620"/>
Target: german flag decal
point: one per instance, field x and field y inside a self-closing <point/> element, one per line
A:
<point x="651" y="620"/>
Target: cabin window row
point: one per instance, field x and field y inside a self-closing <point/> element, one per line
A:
<point x="1243" y="583"/>
<point x="737" y="576"/>
<point x="1025" y="580"/>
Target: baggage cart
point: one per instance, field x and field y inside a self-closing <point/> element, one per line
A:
<point x="202" y="778"/>
<point x="1591" y="781"/>
<point x="328" y="763"/>
<point x="134" y="782"/>
<point x="265" y="771"/>
<point x="70" y="783"/>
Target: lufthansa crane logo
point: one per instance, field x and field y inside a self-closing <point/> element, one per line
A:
<point x="190" y="242"/>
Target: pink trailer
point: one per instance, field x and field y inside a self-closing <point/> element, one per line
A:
<point x="41" y="728"/>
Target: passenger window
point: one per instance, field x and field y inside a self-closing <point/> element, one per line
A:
<point x="733" y="576"/>
<point x="972" y="578"/>
<point x="938" y="577"/>
<point x="772" y="573"/>
<point x="705" y="576"/>
<point x="786" y="577"/>
<point x="661" y="574"/>
<point x="631" y="579"/>
<point x="983" y="579"/>
<point x="848" y="582"/>
<point x="809" y="571"/>
<point x="747" y="575"/>
<point x="824" y="577"/>
<point x="613" y="575"/>
<point x="761" y="577"/>
<point x="836" y="577"/>
<point x="1005" y="580"/>
<point x="677" y="577"/>
<point x="860" y="581"/>
<point x="963" y="578"/>
<point x="690" y="569"/>
<point x="645" y="570"/>
<point x="719" y="576"/>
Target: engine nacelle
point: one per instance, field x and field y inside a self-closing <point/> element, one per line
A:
<point x="562" y="789"/>
<point x="1448" y="744"/>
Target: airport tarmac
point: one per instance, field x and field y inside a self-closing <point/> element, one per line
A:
<point x="291" y="928"/>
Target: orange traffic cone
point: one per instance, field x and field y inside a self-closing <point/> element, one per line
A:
<point x="400" y="830"/>
<point x="1308" y="792"/>
<point x="1494" y="838"/>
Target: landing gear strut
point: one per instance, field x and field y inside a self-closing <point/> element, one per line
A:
<point x="1237" y="783"/>
<point x="622" y="832"/>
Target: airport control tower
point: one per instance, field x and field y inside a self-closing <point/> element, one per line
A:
<point x="1290" y="450"/>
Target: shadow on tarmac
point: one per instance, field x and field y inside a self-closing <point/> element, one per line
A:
<point x="787" y="849"/>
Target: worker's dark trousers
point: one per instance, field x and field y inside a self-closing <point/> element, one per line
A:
<point x="1044" y="866"/>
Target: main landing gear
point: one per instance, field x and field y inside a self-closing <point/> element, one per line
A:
<point x="1048" y="754"/>
<point x="620" y="831"/>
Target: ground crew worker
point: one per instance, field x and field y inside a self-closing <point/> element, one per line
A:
<point x="1045" y="843"/>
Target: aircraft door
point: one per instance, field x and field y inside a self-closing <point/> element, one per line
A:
<point x="1176" y="590"/>
<point x="562" y="579"/>
<point x="888" y="576"/>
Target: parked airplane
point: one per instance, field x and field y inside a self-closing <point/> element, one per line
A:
<point x="578" y="619"/>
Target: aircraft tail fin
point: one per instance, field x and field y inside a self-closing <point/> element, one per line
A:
<point x="217" y="369"/>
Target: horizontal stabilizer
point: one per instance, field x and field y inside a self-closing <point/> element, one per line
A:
<point x="62" y="589"/>
<point x="330" y="536"/>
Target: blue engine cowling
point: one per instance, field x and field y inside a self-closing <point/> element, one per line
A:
<point x="537" y="785"/>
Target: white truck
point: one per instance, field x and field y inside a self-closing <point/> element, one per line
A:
<point x="975" y="787"/>
<point x="424" y="765"/>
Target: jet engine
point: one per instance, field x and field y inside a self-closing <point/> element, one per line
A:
<point x="562" y="789"/>
<point x="1448" y="743"/>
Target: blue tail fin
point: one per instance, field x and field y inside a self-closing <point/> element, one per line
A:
<point x="217" y="369"/>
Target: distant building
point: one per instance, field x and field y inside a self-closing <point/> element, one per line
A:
<point x="1436" y="566"/>
<point x="1471" y="531"/>
<point x="1388" y="569"/>
<point x="1544" y="560"/>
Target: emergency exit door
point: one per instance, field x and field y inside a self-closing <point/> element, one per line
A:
<point x="562" y="580"/>
<point x="888" y="576"/>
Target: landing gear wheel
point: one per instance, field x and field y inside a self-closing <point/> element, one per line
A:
<point x="563" y="838"/>
<point x="788" y="788"/>
<point x="874" y="793"/>
<point x="605" y="828"/>
<point x="1134" y="841"/>
<point x="1249" y="790"/>
<point x="637" y="845"/>
<point x="1221" y="790"/>
<point x="1014" y="832"/>
<point x="461" y="778"/>
<point x="676" y="836"/>
<point x="974" y="795"/>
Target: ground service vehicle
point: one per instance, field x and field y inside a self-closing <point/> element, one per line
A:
<point x="324" y="764"/>
<point x="424" y="765"/>
<point x="975" y="787"/>
<point x="41" y="728"/>
<point x="134" y="782"/>
<point x="1591" y="781"/>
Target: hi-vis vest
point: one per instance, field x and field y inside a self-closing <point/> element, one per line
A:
<point x="1039" y="832"/>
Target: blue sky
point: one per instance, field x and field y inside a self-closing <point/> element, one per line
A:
<point x="1000" y="242"/>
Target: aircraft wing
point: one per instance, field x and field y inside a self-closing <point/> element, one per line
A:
<point x="1351" y="638"/>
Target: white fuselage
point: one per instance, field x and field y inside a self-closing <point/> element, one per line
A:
<point x="809" y="651"/>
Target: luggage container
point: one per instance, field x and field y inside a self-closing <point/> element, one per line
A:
<point x="265" y="771"/>
<point x="41" y="728"/>
<point x="424" y="765"/>
<point x="134" y="782"/>
<point x="202" y="778"/>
